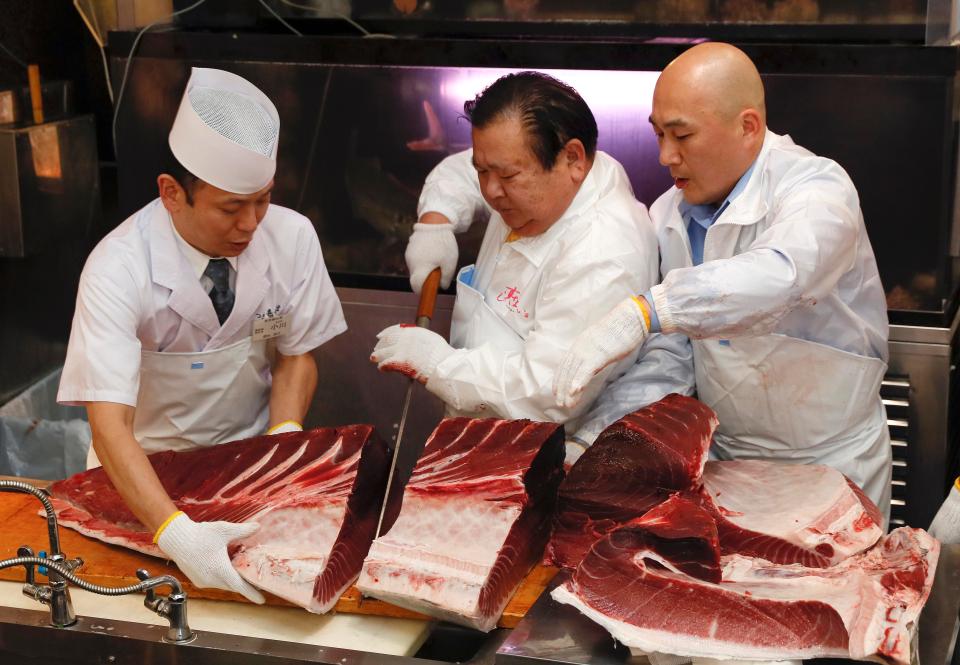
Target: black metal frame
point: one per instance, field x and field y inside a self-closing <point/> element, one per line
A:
<point x="556" y="53"/>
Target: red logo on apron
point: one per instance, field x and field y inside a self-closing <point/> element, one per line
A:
<point x="511" y="297"/>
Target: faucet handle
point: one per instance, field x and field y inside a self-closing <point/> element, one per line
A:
<point x="25" y="551"/>
<point x="151" y="596"/>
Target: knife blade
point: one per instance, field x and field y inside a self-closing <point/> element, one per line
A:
<point x="428" y="299"/>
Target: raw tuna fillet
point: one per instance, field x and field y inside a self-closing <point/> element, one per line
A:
<point x="474" y="519"/>
<point x="789" y="513"/>
<point x="636" y="585"/>
<point x="315" y="494"/>
<point x="633" y="465"/>
<point x="685" y="535"/>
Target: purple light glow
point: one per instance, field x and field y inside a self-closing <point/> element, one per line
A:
<point x="620" y="101"/>
<point x="601" y="89"/>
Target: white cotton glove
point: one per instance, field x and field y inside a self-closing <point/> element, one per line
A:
<point x="613" y="337"/>
<point x="575" y="448"/>
<point x="431" y="246"/>
<point x="200" y="550"/>
<point x="946" y="523"/>
<point x="410" y="350"/>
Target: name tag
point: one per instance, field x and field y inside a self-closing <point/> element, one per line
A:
<point x="270" y="327"/>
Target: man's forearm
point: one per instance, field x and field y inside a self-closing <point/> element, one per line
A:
<point x="127" y="465"/>
<point x="294" y="382"/>
<point x="433" y="218"/>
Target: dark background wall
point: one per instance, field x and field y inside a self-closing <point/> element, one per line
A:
<point x="51" y="34"/>
<point x="37" y="292"/>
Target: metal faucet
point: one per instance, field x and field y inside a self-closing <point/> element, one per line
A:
<point x="173" y="608"/>
<point x="56" y="593"/>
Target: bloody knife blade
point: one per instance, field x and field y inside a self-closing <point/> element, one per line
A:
<point x="428" y="299"/>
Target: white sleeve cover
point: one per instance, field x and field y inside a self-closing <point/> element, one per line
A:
<point x="453" y="190"/>
<point x="798" y="259"/>
<point x="664" y="366"/>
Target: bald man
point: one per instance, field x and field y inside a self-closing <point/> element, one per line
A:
<point x="768" y="269"/>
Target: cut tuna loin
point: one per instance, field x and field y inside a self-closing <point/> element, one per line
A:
<point x="634" y="464"/>
<point x="683" y="535"/>
<point x="315" y="494"/>
<point x="634" y="584"/>
<point x="474" y="519"/>
<point x="789" y="513"/>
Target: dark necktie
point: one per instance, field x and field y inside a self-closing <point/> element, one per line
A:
<point x="218" y="270"/>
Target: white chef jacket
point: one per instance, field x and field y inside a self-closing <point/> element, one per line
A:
<point x="523" y="304"/>
<point x="138" y="292"/>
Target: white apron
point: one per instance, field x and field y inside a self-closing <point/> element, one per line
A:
<point x="188" y="400"/>
<point x="772" y="402"/>
<point x="474" y="324"/>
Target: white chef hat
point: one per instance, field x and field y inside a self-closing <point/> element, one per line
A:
<point x="226" y="132"/>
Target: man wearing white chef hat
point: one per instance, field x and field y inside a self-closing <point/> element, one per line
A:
<point x="197" y="316"/>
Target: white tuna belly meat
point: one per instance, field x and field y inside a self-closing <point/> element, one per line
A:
<point x="439" y="552"/>
<point x="808" y="505"/>
<point x="290" y="549"/>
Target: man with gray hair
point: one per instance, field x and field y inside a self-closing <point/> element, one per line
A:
<point x="566" y="239"/>
<point x="196" y="317"/>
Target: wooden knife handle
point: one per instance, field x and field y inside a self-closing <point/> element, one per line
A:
<point x="36" y="98"/>
<point x="428" y="296"/>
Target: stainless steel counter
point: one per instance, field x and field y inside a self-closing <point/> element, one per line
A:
<point x="557" y="634"/>
<point x="26" y="638"/>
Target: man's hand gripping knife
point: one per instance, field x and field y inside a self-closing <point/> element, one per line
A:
<point x="613" y="337"/>
<point x="410" y="350"/>
<point x="200" y="550"/>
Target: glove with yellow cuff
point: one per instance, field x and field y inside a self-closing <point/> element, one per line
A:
<point x="200" y="550"/>
<point x="286" y="426"/>
<point x="608" y="340"/>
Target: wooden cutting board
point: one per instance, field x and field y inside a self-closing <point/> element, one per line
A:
<point x="109" y="565"/>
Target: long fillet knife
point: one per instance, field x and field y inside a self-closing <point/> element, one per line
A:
<point x="428" y="299"/>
